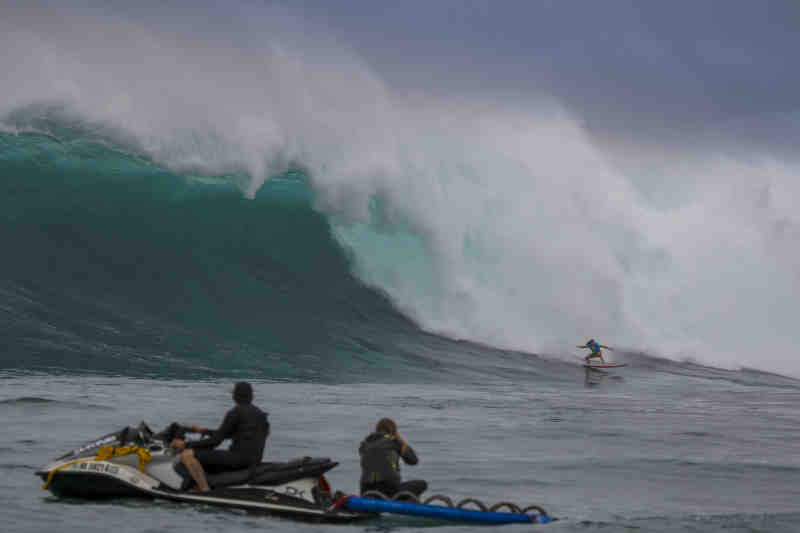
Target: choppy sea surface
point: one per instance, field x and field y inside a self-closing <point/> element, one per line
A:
<point x="637" y="449"/>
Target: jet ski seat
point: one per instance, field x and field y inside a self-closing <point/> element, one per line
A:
<point x="263" y="473"/>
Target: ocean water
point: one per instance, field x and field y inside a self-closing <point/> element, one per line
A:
<point x="642" y="449"/>
<point x="133" y="291"/>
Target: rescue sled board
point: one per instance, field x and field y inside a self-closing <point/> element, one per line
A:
<point x="371" y="505"/>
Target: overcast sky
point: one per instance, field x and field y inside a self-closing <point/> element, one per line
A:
<point x="716" y="68"/>
<point x="714" y="72"/>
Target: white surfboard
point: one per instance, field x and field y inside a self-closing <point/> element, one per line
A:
<point x="604" y="365"/>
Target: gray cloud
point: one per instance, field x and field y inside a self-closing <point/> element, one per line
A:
<point x="715" y="73"/>
<point x="627" y="68"/>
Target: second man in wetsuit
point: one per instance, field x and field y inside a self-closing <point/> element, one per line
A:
<point x="380" y="455"/>
<point x="247" y="427"/>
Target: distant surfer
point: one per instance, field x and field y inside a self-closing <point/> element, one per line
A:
<point x="595" y="350"/>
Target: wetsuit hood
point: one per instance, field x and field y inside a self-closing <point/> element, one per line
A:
<point x="243" y="393"/>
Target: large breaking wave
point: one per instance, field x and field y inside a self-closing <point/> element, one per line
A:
<point x="115" y="265"/>
<point x="493" y="222"/>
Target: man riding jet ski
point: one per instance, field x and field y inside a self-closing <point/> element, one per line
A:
<point x="247" y="427"/>
<point x="137" y="462"/>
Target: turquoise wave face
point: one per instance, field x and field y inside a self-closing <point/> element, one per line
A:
<point x="114" y="265"/>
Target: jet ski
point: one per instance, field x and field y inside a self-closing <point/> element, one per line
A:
<point x="137" y="462"/>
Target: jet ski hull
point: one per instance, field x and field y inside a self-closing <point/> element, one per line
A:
<point x="90" y="486"/>
<point x="104" y="480"/>
<point x="296" y="489"/>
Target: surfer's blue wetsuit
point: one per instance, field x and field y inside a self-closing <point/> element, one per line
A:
<point x="594" y="348"/>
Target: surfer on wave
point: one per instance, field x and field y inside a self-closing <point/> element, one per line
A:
<point x="592" y="345"/>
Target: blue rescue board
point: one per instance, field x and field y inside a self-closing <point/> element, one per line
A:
<point x="371" y="505"/>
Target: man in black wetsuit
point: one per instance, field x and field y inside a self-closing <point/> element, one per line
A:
<point x="247" y="427"/>
<point x="380" y="454"/>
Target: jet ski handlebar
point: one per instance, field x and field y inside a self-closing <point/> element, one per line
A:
<point x="177" y="431"/>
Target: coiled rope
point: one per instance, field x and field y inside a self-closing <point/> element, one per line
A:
<point x="407" y="496"/>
